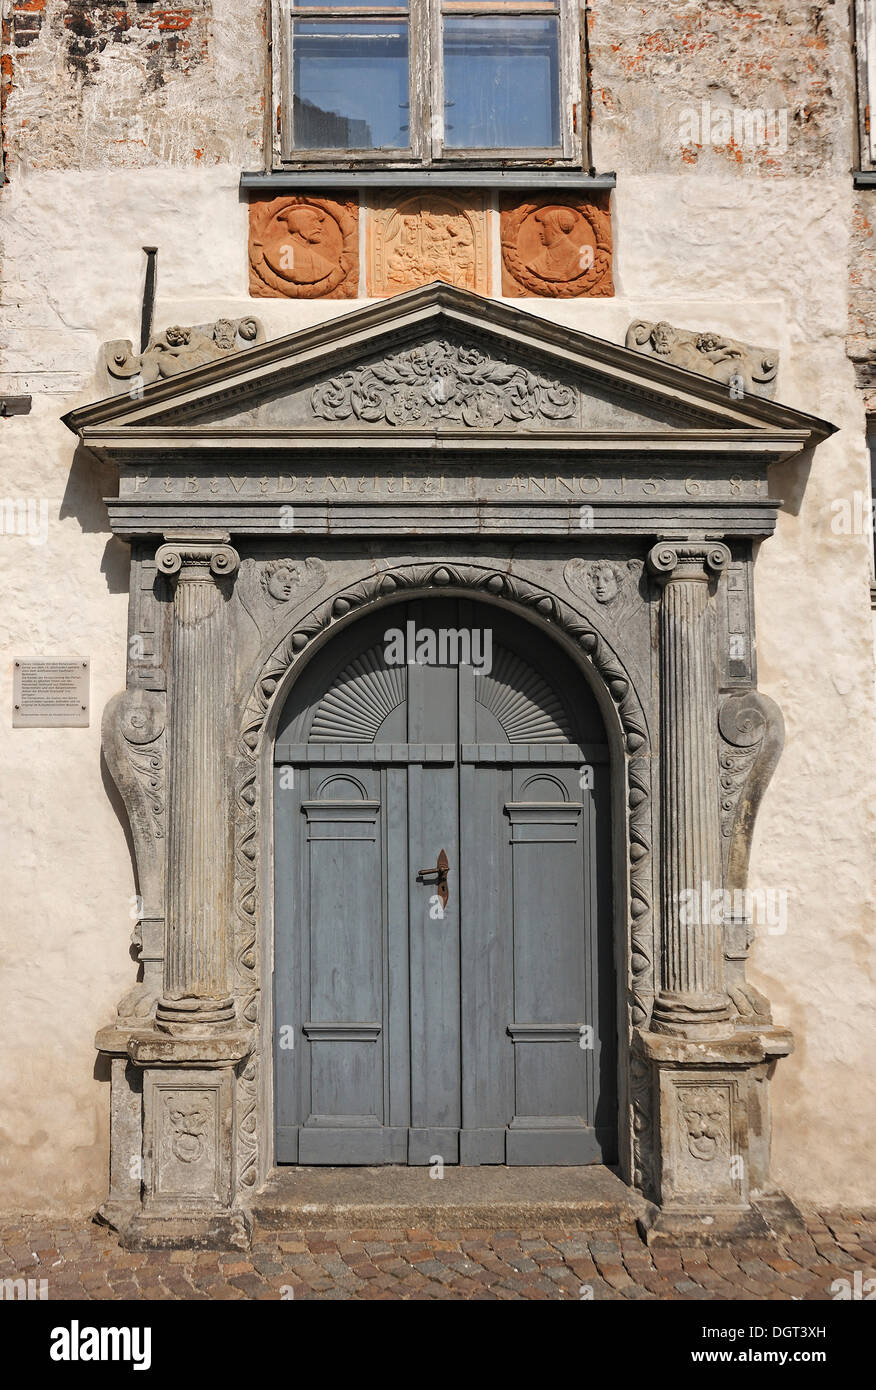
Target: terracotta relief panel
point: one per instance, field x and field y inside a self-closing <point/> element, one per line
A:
<point x="558" y="248"/>
<point x="428" y="237"/>
<point x="303" y="248"/>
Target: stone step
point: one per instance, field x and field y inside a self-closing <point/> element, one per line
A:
<point x="493" y="1198"/>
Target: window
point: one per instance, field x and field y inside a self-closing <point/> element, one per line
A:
<point x="430" y="80"/>
<point x="865" y="43"/>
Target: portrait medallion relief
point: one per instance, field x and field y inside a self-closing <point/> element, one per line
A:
<point x="424" y="238"/>
<point x="557" y="249"/>
<point x="303" y="248"/>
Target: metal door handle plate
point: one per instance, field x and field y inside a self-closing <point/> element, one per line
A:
<point x="440" y="873"/>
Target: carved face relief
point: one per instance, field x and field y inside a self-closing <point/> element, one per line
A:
<point x="610" y="583"/>
<point x="280" y="580"/>
<point x="704" y="1117"/>
<point x="189" y="1120"/>
<point x="556" y="249"/>
<point x="662" y="338"/>
<point x="604" y="583"/>
<point x="303" y="248"/>
<point x="225" y="335"/>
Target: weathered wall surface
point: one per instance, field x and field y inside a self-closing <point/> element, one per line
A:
<point x="127" y="125"/>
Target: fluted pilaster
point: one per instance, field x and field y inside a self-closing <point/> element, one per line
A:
<point x="692" y="1001"/>
<point x="196" y="974"/>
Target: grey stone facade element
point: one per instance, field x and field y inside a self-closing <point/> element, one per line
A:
<point x="134" y="744"/>
<point x="196" y="978"/>
<point x="742" y="368"/>
<point x="691" y="1001"/>
<point x="711" y="1157"/>
<point x="177" y="349"/>
<point x="538" y="517"/>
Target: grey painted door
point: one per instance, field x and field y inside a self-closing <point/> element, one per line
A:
<point x="480" y="1030"/>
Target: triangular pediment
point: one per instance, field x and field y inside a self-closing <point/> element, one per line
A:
<point x="435" y="363"/>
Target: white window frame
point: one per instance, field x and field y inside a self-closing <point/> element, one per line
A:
<point x="426" y="100"/>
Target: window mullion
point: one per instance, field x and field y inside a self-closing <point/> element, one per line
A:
<point x="435" y="132"/>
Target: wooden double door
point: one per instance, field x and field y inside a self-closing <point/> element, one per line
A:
<point x="443" y="977"/>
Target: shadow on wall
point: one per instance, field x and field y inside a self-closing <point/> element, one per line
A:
<point x="788" y="480"/>
<point x="89" y="481"/>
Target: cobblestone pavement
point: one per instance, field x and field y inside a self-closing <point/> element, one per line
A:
<point x="84" y="1261"/>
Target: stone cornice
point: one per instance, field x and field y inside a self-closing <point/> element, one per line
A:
<point x="327" y="348"/>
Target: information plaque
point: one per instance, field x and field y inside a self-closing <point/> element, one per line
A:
<point x="50" y="694"/>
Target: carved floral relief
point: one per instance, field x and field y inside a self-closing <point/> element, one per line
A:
<point x="443" y="383"/>
<point x="303" y="248"/>
<point x="428" y="237"/>
<point x="558" y="248"/>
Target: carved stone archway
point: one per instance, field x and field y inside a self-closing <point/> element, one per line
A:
<point x="628" y="731"/>
<point x="440" y="442"/>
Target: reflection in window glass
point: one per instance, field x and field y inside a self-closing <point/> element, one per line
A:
<point x="350" y="85"/>
<point x="501" y="83"/>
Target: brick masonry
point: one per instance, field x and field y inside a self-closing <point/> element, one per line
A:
<point x="79" y="1260"/>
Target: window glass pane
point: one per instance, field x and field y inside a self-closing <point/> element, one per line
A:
<point x="501" y="83"/>
<point x="350" y="85"/>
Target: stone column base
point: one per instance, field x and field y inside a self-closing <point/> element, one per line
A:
<point x="216" y="1231"/>
<point x="711" y="1145"/>
<point x="172" y="1168"/>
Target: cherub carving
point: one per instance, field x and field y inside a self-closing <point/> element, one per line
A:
<point x="611" y="584"/>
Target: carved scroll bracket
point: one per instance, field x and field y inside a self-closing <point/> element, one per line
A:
<point x="752" y="732"/>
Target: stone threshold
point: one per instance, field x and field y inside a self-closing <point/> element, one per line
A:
<point x="494" y="1198"/>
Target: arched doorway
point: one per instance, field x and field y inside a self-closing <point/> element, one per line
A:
<point x="468" y="1012"/>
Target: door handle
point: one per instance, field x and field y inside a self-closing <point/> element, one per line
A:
<point x="440" y="872"/>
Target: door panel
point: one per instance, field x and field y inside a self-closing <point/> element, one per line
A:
<point x="480" y="1031"/>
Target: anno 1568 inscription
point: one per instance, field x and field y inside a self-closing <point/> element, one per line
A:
<point x="50" y="694"/>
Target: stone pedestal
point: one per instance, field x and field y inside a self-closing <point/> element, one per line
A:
<point x="709" y="1159"/>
